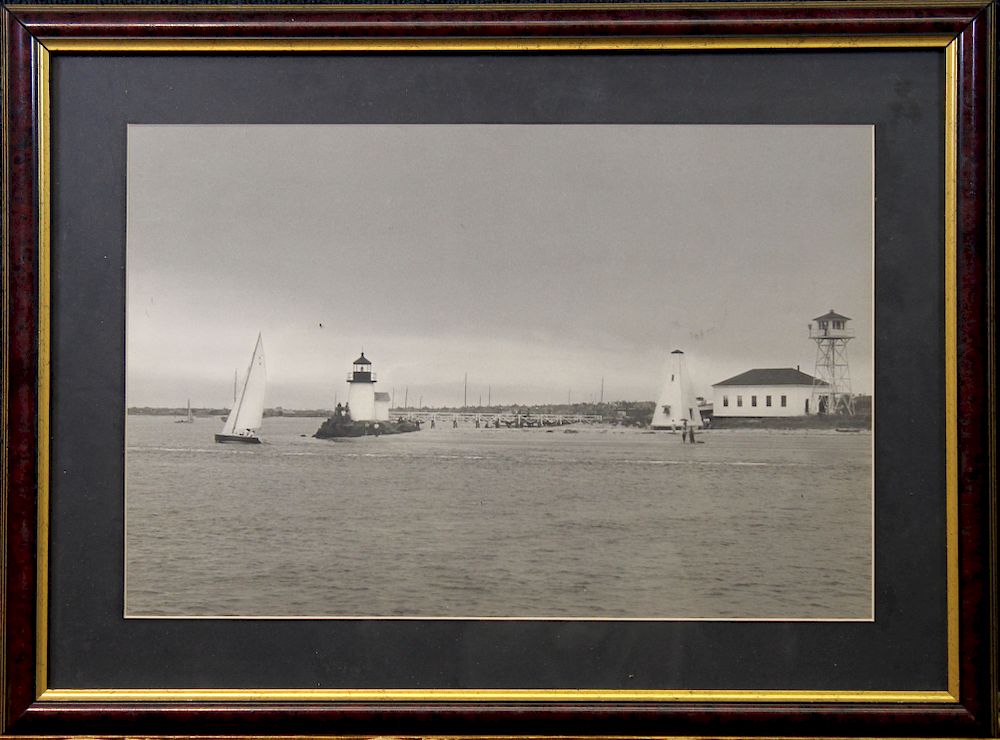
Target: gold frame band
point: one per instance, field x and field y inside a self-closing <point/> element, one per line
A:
<point x="46" y="46"/>
<point x="44" y="368"/>
<point x="263" y="46"/>
<point x="494" y="695"/>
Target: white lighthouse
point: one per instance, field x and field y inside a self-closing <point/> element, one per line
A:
<point x="677" y="403"/>
<point x="361" y="390"/>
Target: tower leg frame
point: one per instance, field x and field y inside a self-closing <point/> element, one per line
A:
<point x="831" y="393"/>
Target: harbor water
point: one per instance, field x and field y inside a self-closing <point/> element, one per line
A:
<point x="569" y="522"/>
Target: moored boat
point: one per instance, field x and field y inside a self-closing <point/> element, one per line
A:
<point x="189" y="418"/>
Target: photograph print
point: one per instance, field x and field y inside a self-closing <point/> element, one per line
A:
<point x="594" y="372"/>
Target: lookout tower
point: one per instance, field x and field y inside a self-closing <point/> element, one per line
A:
<point x="361" y="390"/>
<point x="831" y="392"/>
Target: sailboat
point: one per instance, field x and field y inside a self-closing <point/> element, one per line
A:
<point x="244" y="420"/>
<point x="189" y="419"/>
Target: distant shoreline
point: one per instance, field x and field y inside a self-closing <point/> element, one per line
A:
<point x="207" y="413"/>
<point x="635" y="415"/>
<point x="634" y="411"/>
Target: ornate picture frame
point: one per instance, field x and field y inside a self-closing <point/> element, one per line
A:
<point x="962" y="34"/>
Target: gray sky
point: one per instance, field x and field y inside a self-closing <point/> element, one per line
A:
<point x="536" y="258"/>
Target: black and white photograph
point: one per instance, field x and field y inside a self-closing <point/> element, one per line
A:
<point x="483" y="371"/>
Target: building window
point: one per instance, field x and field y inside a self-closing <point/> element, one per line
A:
<point x="739" y="401"/>
<point x="784" y="401"/>
<point x="767" y="401"/>
<point x="838" y="324"/>
<point x="725" y="401"/>
<point x="753" y="401"/>
<point x="666" y="410"/>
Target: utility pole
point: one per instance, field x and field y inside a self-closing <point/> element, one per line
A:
<point x="406" y="398"/>
<point x="489" y="395"/>
<point x="602" y="389"/>
<point x="465" y="394"/>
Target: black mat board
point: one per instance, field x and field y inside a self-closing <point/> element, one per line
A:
<point x="94" y="98"/>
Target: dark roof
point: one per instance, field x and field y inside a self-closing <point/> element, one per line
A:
<point x="362" y="360"/>
<point x="832" y="316"/>
<point x="381" y="396"/>
<point x="677" y="352"/>
<point x="771" y="376"/>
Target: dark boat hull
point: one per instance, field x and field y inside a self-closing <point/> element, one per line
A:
<point x="237" y="438"/>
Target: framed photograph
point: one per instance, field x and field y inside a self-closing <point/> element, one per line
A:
<point x="549" y="370"/>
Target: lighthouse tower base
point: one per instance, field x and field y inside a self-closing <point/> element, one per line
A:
<point x="361" y="401"/>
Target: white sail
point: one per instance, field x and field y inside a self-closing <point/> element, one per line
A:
<point x="677" y="402"/>
<point x="248" y="411"/>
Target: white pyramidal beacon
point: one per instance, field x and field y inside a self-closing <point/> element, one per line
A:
<point x="677" y="402"/>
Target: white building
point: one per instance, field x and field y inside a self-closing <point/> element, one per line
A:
<point x="765" y="392"/>
<point x="676" y="403"/>
<point x="361" y="390"/>
<point x="382" y="401"/>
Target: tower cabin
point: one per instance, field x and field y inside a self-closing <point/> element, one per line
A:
<point x="830" y="325"/>
<point x="361" y="390"/>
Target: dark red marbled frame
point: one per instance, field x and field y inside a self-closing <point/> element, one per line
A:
<point x="972" y="24"/>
